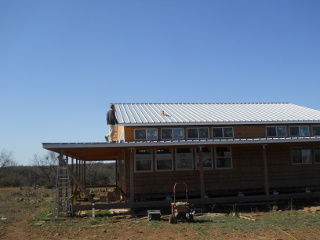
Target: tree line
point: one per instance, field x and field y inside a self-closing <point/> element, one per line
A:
<point x="43" y="169"/>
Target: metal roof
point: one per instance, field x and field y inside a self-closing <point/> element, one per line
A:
<point x="213" y="113"/>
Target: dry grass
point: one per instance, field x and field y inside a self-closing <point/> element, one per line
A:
<point x="26" y="215"/>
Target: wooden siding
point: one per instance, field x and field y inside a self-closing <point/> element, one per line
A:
<point x="285" y="175"/>
<point x="247" y="174"/>
<point x="120" y="133"/>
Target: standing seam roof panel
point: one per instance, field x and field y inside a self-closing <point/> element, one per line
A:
<point x="204" y="113"/>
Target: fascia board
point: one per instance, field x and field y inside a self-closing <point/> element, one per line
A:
<point x="215" y="123"/>
<point x="179" y="143"/>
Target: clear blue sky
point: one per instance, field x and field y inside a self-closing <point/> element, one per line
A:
<point x="63" y="62"/>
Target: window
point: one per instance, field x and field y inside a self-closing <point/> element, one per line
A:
<point x="143" y="160"/>
<point x="184" y="159"/>
<point x="164" y="160"/>
<point x="146" y="134"/>
<point x="172" y="133"/>
<point x="315" y="130"/>
<point x="276" y="132"/>
<point x="317" y="155"/>
<point x="301" y="155"/>
<point x="206" y="158"/>
<point x="197" y="133"/>
<point x="223" y="157"/>
<point x="299" y="131"/>
<point x="224" y="132"/>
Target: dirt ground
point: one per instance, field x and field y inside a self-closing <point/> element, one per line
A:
<point x="25" y="214"/>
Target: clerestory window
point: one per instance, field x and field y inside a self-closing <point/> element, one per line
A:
<point x="172" y="133"/>
<point x="299" y="131"/>
<point x="222" y="132"/>
<point x="197" y="133"/>
<point x="146" y="134"/>
<point x="276" y="131"/>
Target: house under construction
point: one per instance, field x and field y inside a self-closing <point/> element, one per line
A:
<point x="225" y="153"/>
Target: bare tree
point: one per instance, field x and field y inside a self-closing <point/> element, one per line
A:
<point x="46" y="167"/>
<point x="6" y="159"/>
<point x="100" y="173"/>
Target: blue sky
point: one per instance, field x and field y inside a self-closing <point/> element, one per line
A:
<point x="63" y="62"/>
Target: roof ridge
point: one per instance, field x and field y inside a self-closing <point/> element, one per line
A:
<point x="210" y="103"/>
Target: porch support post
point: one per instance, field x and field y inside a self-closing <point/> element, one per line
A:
<point x="265" y="168"/>
<point x="81" y="172"/>
<point x="77" y="175"/>
<point x="72" y="181"/>
<point x="77" y="168"/>
<point x="117" y="162"/>
<point x="85" y="172"/>
<point x="202" y="188"/>
<point x="131" y="175"/>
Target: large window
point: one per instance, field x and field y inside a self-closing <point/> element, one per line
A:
<point x="301" y="155"/>
<point x="222" y="132"/>
<point x="143" y="160"/>
<point x="164" y="160"/>
<point x="278" y="131"/>
<point x="315" y="130"/>
<point x="184" y="159"/>
<point x="206" y="158"/>
<point x="197" y="133"/>
<point x="172" y="133"/>
<point x="146" y="134"/>
<point x="299" y="131"/>
<point x="223" y="157"/>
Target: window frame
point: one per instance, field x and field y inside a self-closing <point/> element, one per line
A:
<point x="314" y="155"/>
<point x="190" y="153"/>
<point x="216" y="157"/>
<point x="172" y="134"/>
<point x="156" y="160"/>
<point x="312" y="130"/>
<point x="222" y="131"/>
<point x="197" y="158"/>
<point x="143" y="159"/>
<point x="146" y="134"/>
<point x="299" y="133"/>
<point x="301" y="157"/>
<point x="198" y="133"/>
<point x="277" y="135"/>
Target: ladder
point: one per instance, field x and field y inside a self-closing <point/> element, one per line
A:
<point x="62" y="204"/>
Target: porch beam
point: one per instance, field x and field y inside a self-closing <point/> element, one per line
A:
<point x="131" y="174"/>
<point x="265" y="170"/>
<point x="202" y="188"/>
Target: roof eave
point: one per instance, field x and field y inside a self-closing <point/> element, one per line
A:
<point x="50" y="146"/>
<point x="148" y="124"/>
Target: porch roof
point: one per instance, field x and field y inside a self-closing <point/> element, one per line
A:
<point x="98" y="151"/>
